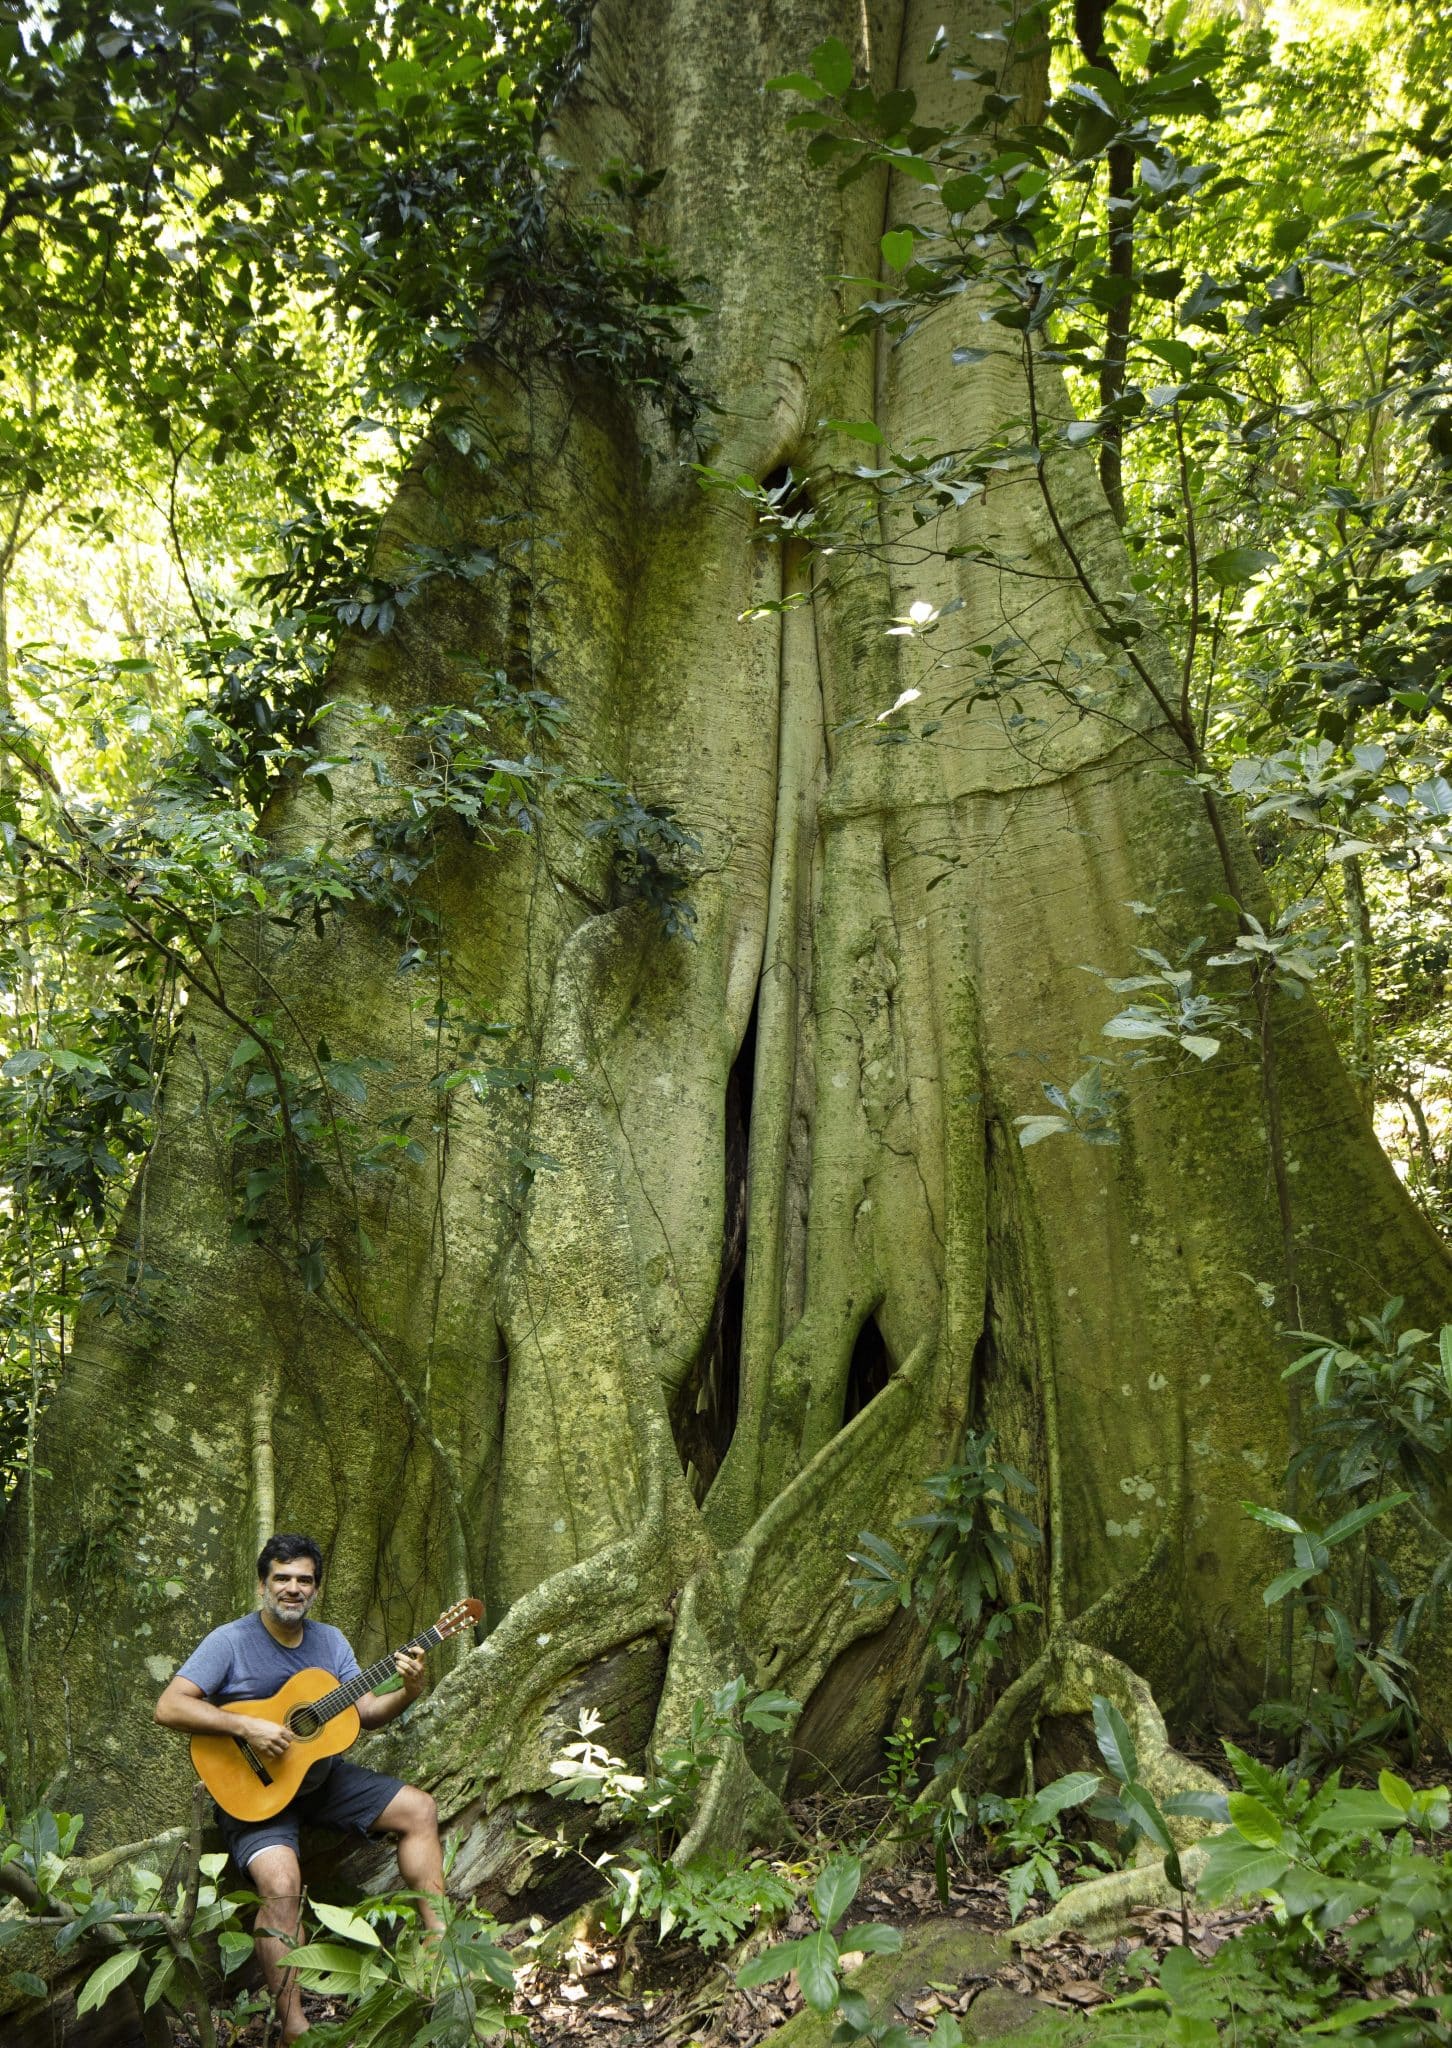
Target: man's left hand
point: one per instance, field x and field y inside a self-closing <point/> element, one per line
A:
<point x="411" y="1670"/>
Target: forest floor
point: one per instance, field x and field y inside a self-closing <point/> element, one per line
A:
<point x="956" y="1957"/>
<point x="634" y="1991"/>
<point x="581" y="1985"/>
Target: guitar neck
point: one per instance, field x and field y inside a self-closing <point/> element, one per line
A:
<point x="353" y="1689"/>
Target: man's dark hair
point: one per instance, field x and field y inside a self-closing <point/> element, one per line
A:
<point x="283" y="1549"/>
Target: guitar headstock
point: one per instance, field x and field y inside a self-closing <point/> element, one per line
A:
<point x="454" y="1620"/>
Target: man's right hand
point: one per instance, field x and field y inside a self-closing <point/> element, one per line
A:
<point x="270" y="1737"/>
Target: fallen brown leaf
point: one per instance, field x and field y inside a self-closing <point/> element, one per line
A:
<point x="1084" y="1991"/>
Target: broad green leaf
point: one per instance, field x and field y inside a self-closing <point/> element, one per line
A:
<point x="1032" y="1130"/>
<point x="1255" y="1821"/>
<point x="817" y="1970"/>
<point x="352" y="1926"/>
<point x="836" y="1888"/>
<point x="769" y="1965"/>
<point x="1348" y="1525"/>
<point x="1435" y="796"/>
<point x="1237" y="565"/>
<point x="962" y="193"/>
<point x="897" y="247"/>
<point x="1140" y="1805"/>
<point x="235" y="1947"/>
<point x="1212" y="1806"/>
<point x="1125" y="1026"/>
<point x="1065" y="1792"/>
<point x="1180" y="1974"/>
<point x="1271" y="1517"/>
<point x="30" y="1061"/>
<point x="160" y="1981"/>
<point x="1351" y="2012"/>
<point x="1235" y="1867"/>
<point x="1326" y="1376"/>
<point x="1287" y="1582"/>
<point x="1268" y="1785"/>
<point x="872" y="1938"/>
<point x="1343" y="1641"/>
<point x="1395" y="1791"/>
<point x="107" y="1977"/>
<point x="1359" y="1813"/>
<point x="329" y="1966"/>
<point x="771" y="1711"/>
<point x="1148" y="1998"/>
<point x="856" y="430"/>
<point x="832" y="65"/>
<point x="1116" y="1744"/>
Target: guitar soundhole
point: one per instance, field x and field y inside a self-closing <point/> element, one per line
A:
<point x="303" y="1722"/>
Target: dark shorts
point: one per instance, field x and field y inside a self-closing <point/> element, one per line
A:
<point x="346" y="1798"/>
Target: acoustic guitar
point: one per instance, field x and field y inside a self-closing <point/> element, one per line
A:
<point x="323" y="1720"/>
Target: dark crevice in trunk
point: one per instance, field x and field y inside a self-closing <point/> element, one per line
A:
<point x="870" y="1369"/>
<point x="1089" y="16"/>
<point x="985" y="1364"/>
<point x="788" y="491"/>
<point x="703" y="1414"/>
<point x="1013" y="1384"/>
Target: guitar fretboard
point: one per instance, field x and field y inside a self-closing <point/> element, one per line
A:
<point x="353" y="1689"/>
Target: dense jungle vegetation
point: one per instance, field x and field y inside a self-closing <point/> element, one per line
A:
<point x="253" y="259"/>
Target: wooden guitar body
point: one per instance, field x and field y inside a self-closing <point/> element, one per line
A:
<point x="251" y="1786"/>
<point x="319" y="1710"/>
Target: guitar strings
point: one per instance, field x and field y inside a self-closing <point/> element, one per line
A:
<point x="333" y="1703"/>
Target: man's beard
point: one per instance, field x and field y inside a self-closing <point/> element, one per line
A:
<point x="272" y="1605"/>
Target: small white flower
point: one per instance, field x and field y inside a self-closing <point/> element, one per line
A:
<point x="918" y="613"/>
<point x="907" y="697"/>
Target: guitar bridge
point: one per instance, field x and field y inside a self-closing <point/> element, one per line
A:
<point x="254" y="1761"/>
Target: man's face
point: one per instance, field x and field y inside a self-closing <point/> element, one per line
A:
<point x="289" y="1590"/>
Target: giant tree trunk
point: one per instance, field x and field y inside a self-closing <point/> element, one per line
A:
<point x="789" y="1247"/>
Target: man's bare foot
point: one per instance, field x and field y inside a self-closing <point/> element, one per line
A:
<point x="295" y="2023"/>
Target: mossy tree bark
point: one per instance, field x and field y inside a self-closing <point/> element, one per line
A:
<point x="789" y="1247"/>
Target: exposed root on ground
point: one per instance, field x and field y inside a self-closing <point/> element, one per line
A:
<point x="1064" y="1679"/>
<point x="1085" y="1671"/>
<point x="1103" y="1905"/>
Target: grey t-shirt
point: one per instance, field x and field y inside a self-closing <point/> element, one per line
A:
<point x="243" y="1660"/>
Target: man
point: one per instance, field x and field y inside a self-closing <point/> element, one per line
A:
<point x="253" y="1658"/>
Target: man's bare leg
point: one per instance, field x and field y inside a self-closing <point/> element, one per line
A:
<point x="277" y="1880"/>
<point x="413" y="1818"/>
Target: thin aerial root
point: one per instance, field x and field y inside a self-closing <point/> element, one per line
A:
<point x="994" y="1752"/>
